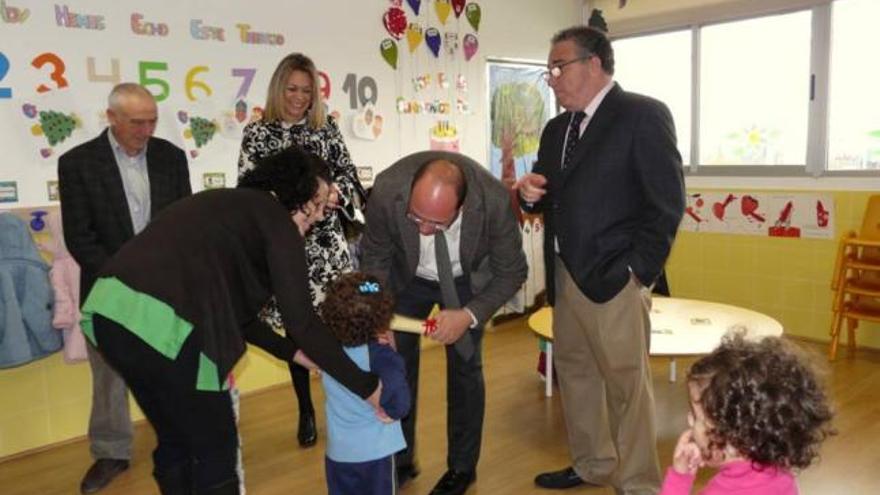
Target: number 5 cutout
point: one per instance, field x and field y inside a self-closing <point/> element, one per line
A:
<point x="57" y="75"/>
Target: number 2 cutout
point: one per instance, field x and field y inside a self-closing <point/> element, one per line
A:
<point x="4" y="69"/>
<point x="57" y="75"/>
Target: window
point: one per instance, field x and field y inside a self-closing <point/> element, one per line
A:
<point x="660" y="66"/>
<point x="791" y="93"/>
<point x="854" y="88"/>
<point x="754" y="91"/>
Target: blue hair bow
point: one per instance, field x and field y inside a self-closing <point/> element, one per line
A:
<point x="369" y="288"/>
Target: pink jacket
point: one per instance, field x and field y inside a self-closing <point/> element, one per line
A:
<point x="734" y="478"/>
<point x="64" y="277"/>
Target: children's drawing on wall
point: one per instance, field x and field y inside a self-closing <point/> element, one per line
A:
<point x="367" y="123"/>
<point x="444" y="137"/>
<point x="774" y="215"/>
<point x="521" y="103"/>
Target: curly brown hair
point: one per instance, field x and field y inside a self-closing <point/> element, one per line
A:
<point x="357" y="308"/>
<point x="764" y="399"/>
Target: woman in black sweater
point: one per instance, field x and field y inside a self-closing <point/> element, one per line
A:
<point x="171" y="311"/>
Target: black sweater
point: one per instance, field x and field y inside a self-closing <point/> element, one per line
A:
<point x="216" y="257"/>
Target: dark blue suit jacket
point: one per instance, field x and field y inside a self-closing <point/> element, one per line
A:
<point x="619" y="202"/>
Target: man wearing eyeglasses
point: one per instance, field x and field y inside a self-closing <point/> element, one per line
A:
<point x="608" y="180"/>
<point x="440" y="227"/>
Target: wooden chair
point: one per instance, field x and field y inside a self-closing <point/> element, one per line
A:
<point x="856" y="278"/>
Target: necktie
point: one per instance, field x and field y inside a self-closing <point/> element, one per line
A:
<point x="464" y="346"/>
<point x="573" y="136"/>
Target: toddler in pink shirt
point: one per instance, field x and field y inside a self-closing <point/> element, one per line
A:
<point x="758" y="412"/>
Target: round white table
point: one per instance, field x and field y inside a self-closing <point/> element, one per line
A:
<point x="679" y="327"/>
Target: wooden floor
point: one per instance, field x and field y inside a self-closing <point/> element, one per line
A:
<point x="523" y="434"/>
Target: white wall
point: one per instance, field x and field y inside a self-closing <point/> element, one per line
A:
<point x="342" y="36"/>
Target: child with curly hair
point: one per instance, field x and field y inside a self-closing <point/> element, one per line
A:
<point x="360" y="446"/>
<point x="758" y="412"/>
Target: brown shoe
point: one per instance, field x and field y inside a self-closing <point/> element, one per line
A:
<point x="101" y="474"/>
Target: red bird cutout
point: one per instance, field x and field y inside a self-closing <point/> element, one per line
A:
<point x="821" y="214"/>
<point x="691" y="213"/>
<point x="749" y="207"/>
<point x="718" y="208"/>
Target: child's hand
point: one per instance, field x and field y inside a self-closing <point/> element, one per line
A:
<point x="386" y="338"/>
<point x="373" y="399"/>
<point x="687" y="458"/>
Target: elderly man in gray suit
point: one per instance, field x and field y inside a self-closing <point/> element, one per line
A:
<point x="441" y="229"/>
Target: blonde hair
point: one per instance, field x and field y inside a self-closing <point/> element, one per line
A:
<point x="274" y="110"/>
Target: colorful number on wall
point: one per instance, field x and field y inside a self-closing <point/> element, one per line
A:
<point x="190" y="83"/>
<point x="146" y="66"/>
<point x="4" y="69"/>
<point x="57" y="74"/>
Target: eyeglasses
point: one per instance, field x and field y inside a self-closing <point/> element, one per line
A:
<point x="434" y="226"/>
<point x="555" y="72"/>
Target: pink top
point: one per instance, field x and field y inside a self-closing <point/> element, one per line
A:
<point x="736" y="477"/>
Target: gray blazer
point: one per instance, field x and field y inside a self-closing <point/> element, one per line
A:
<point x="491" y="242"/>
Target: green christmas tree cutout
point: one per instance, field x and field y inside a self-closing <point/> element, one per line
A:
<point x="56" y="126"/>
<point x="201" y="130"/>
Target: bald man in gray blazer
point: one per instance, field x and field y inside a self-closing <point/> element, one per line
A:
<point x="418" y="198"/>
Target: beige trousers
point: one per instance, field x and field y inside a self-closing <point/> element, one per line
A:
<point x="601" y="357"/>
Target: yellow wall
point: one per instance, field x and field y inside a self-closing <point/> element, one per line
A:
<point x="788" y="279"/>
<point x="48" y="401"/>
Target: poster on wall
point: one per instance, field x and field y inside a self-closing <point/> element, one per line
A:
<point x="793" y="215"/>
<point x="520" y="103"/>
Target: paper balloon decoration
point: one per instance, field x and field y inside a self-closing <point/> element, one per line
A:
<point x="432" y="39"/>
<point x="457" y="7"/>
<point x="414" y="36"/>
<point x="395" y="22"/>
<point x="389" y="52"/>
<point x="414" y="5"/>
<point x="473" y="14"/>
<point x="443" y="9"/>
<point x="469" y="45"/>
<point x="450" y="41"/>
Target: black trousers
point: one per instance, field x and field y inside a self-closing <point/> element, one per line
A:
<point x="196" y="431"/>
<point x="465" y="389"/>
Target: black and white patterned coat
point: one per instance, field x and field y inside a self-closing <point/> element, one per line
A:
<point x="327" y="251"/>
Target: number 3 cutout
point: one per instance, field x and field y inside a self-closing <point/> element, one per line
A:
<point x="57" y="75"/>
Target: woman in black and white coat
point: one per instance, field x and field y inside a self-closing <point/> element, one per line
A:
<point x="294" y="115"/>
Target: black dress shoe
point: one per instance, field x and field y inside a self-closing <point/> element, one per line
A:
<point x="558" y="480"/>
<point x="406" y="472"/>
<point x="101" y="474"/>
<point x="307" y="434"/>
<point x="454" y="482"/>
